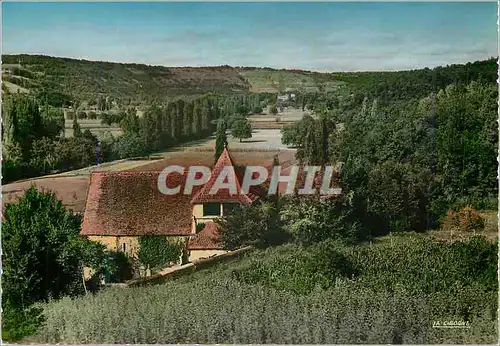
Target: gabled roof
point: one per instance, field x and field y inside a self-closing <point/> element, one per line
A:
<point x="130" y="204"/>
<point x="224" y="194"/>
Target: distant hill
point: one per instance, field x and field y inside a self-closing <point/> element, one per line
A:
<point x="88" y="80"/>
<point x="64" y="79"/>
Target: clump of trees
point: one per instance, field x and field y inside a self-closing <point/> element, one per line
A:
<point x="42" y="259"/>
<point x="34" y="143"/>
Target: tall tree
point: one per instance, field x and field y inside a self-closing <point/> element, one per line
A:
<point x="77" y="131"/>
<point x="196" y="125"/>
<point x="220" y="139"/>
<point x="188" y="128"/>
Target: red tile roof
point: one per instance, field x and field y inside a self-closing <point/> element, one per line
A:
<point x="222" y="195"/>
<point x="207" y="239"/>
<point x="130" y="204"/>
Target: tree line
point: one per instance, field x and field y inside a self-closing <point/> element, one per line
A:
<point x="34" y="142"/>
<point x="410" y="164"/>
<point x="404" y="165"/>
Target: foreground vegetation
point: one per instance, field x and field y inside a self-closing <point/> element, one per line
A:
<point x="386" y="292"/>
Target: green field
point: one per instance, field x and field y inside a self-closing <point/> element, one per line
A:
<point x="267" y="80"/>
<point x="391" y="292"/>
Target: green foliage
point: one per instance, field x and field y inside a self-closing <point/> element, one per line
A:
<point x="18" y="323"/>
<point x="257" y="110"/>
<point x="44" y="156"/>
<point x="82" y="115"/>
<point x="257" y="225"/>
<point x="405" y="164"/>
<point x="220" y="139"/>
<point x="23" y="121"/>
<point x="42" y="249"/>
<point x="300" y="272"/>
<point x="118" y="267"/>
<point x="396" y="194"/>
<point x="313" y="220"/>
<point x="52" y="97"/>
<point x="199" y="227"/>
<point x="273" y="110"/>
<point x="109" y="118"/>
<point x="77" y="130"/>
<point x="125" y="83"/>
<point x="465" y="142"/>
<point x="241" y="129"/>
<point x="253" y="300"/>
<point x="52" y="121"/>
<point x="158" y="251"/>
<point x="43" y="254"/>
<point x="75" y="152"/>
<point x="130" y="145"/>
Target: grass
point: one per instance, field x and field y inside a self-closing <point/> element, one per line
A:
<point x="215" y="306"/>
<point x="267" y="80"/>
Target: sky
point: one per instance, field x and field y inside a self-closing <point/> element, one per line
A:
<point x="311" y="36"/>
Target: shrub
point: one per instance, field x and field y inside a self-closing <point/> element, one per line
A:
<point x="92" y="115"/>
<point x="470" y="220"/>
<point x="273" y="110"/>
<point x="257" y="110"/>
<point x="118" y="267"/>
<point x="82" y="115"/>
<point x="257" y="225"/>
<point x="309" y="221"/>
<point x="158" y="251"/>
<point x="199" y="227"/>
<point x="466" y="219"/>
<point x="18" y="323"/>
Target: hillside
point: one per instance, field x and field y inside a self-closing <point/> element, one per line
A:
<point x="62" y="80"/>
<point x="381" y="293"/>
<point x="263" y="80"/>
<point x="124" y="83"/>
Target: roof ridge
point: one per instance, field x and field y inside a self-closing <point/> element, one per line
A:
<point x="223" y="161"/>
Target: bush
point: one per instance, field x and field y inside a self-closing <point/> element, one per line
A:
<point x="92" y="115"/>
<point x="257" y="225"/>
<point x="17" y="323"/>
<point x="223" y="309"/>
<point x="299" y="272"/>
<point x="310" y="221"/>
<point x="118" y="267"/>
<point x="257" y="110"/>
<point x="158" y="251"/>
<point x="273" y="110"/>
<point x="130" y="145"/>
<point x="82" y="115"/>
<point x="466" y="219"/>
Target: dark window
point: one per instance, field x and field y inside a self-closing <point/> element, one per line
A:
<point x="211" y="209"/>
<point x="124" y="247"/>
<point x="227" y="208"/>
